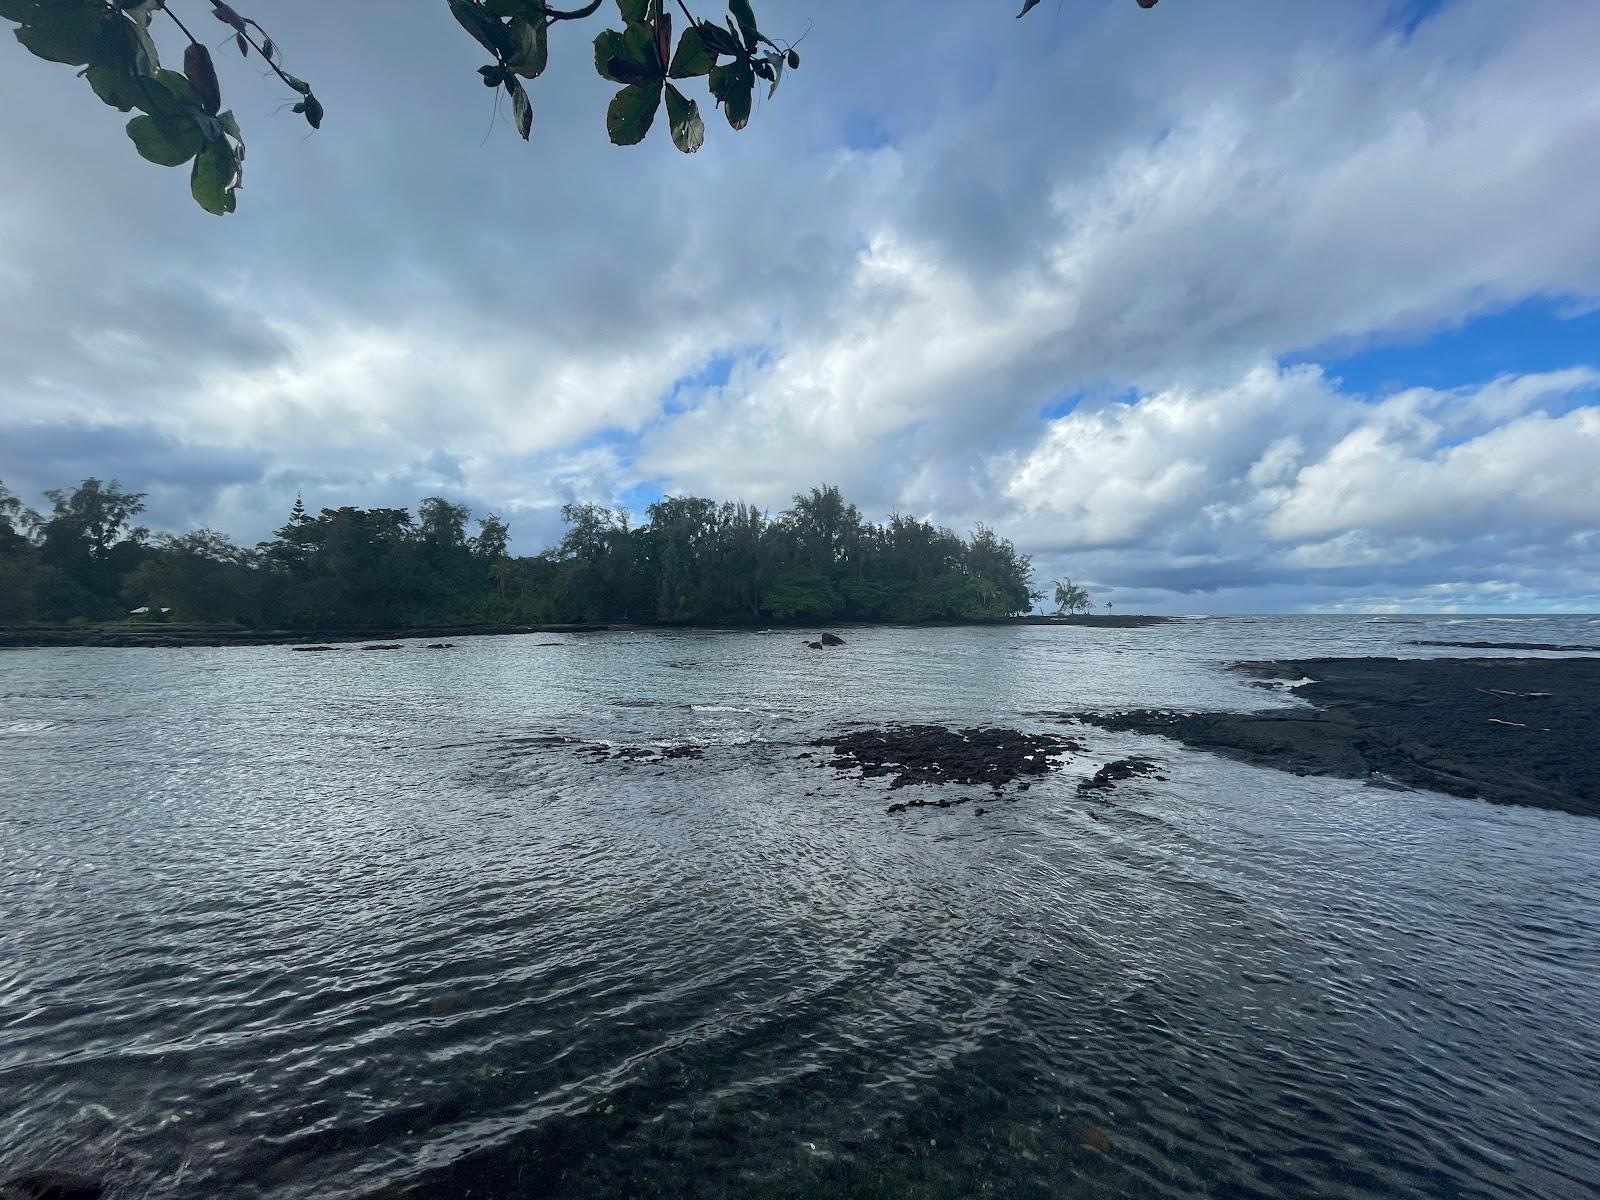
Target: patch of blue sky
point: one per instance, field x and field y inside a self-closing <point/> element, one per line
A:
<point x="1529" y="338"/>
<point x="686" y="391"/>
<point x="1067" y="402"/>
<point x="1406" y="15"/>
<point x="862" y="131"/>
<point x="641" y="496"/>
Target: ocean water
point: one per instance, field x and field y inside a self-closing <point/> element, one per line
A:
<point x="375" y="924"/>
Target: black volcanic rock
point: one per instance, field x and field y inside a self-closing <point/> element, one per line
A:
<point x="908" y="754"/>
<point x="1507" y="730"/>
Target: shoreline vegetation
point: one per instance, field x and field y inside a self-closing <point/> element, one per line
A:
<point x="177" y="635"/>
<point x="84" y="561"/>
<point x="1506" y="730"/>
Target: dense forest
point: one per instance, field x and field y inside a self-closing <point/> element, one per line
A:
<point x="85" y="559"/>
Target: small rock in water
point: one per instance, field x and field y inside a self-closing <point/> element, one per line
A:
<point x="442" y="646"/>
<point x="313" y="649"/>
<point x="1115" y="772"/>
<point x="832" y="639"/>
<point x="383" y="646"/>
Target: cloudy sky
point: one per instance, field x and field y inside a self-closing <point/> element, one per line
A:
<point x="1228" y="305"/>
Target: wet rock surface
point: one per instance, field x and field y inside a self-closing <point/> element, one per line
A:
<point x="933" y="754"/>
<point x="1507" y="730"/>
<point x="1113" y="773"/>
<point x="644" y="754"/>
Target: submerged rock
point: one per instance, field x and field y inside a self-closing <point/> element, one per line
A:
<point x="382" y="646"/>
<point x="442" y="646"/>
<point x="52" y="1185"/>
<point x="832" y="639"/>
<point x="1114" y="773"/>
<point x="313" y="649"/>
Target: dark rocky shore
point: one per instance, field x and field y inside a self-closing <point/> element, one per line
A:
<point x="1507" y="730"/>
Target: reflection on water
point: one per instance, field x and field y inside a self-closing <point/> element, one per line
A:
<point x="346" y="925"/>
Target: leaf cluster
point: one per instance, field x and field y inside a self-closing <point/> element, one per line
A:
<point x="180" y="115"/>
<point x="181" y="119"/>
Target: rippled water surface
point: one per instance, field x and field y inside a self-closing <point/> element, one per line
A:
<point x="369" y="924"/>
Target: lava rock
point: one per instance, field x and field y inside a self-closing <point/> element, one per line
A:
<point x="1114" y="773"/>
<point x="933" y="754"/>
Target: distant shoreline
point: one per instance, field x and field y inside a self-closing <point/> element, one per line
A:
<point x="178" y="635"/>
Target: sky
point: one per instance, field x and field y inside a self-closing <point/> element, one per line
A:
<point x="1224" y="306"/>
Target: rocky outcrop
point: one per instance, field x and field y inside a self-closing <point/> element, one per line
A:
<point x="933" y="754"/>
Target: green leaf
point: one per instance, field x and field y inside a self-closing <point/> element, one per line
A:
<point x="732" y="85"/>
<point x="631" y="112"/>
<point x="123" y="55"/>
<point x="775" y="64"/>
<point x="299" y="85"/>
<point x="230" y="125"/>
<point x="743" y="14"/>
<point x="634" y="12"/>
<point x="313" y="111"/>
<point x="692" y="57"/>
<point x="628" y="57"/>
<point x="20" y="11"/>
<point x="719" y="40"/>
<point x="521" y="109"/>
<point x="212" y="179"/>
<point x="166" y="93"/>
<point x="640" y="46"/>
<point x="67" y="31"/>
<point x="114" y="87"/>
<point x="607" y="48"/>
<point x="166" y="141"/>
<point x="533" y="47"/>
<point x="478" y="21"/>
<point x="683" y="115"/>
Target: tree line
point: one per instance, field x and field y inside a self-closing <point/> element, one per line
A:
<point x="86" y="559"/>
